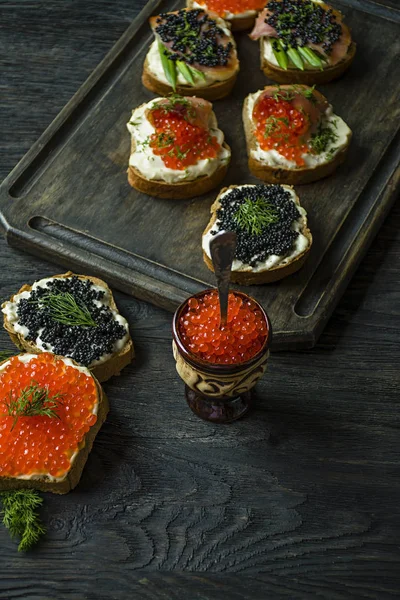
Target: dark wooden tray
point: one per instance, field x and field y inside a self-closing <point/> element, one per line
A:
<point x="68" y="199"/>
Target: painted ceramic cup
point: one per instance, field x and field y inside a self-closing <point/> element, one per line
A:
<point x="217" y="392"/>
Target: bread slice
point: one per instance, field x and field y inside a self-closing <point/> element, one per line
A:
<point x="215" y="91"/>
<point x="237" y="23"/>
<point x="103" y="371"/>
<point x="251" y="277"/>
<point x="222" y="77"/>
<point x="73" y="476"/>
<point x="176" y="191"/>
<point x="280" y="174"/>
<point x="182" y="190"/>
<point x="308" y="76"/>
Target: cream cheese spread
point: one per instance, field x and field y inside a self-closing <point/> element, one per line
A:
<point x="300" y="244"/>
<point x="274" y="159"/>
<point x="152" y="166"/>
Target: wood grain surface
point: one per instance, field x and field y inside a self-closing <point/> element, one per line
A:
<point x="299" y="500"/>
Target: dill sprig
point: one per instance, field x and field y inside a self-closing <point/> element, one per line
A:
<point x="273" y="125"/>
<point x="21" y="518"/>
<point x="320" y="141"/>
<point x="290" y="93"/>
<point x="66" y="309"/>
<point x="253" y="217"/>
<point x="5" y="354"/>
<point x="33" y="401"/>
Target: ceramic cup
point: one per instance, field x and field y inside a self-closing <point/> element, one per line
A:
<point x="217" y="392"/>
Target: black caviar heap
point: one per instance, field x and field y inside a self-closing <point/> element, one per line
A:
<point x="193" y="37"/>
<point x="275" y="237"/>
<point x="299" y="22"/>
<point x="82" y="343"/>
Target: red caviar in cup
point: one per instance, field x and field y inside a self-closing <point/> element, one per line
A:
<point x="280" y="127"/>
<point x="43" y="445"/>
<point x="179" y="142"/>
<point x="238" y="341"/>
<point x="221" y="7"/>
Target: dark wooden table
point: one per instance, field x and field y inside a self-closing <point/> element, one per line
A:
<point x="299" y="500"/>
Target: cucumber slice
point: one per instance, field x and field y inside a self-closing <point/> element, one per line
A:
<point x="198" y="73"/>
<point x="280" y="56"/>
<point x="168" y="66"/>
<point x="295" y="58"/>
<point x="186" y="72"/>
<point x="310" y="57"/>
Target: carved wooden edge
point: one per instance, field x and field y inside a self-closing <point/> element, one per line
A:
<point x="220" y="385"/>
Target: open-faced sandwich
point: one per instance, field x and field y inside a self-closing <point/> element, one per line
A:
<point x="303" y="41"/>
<point x="177" y="150"/>
<point x="73" y="316"/>
<point x="273" y="239"/>
<point x="194" y="54"/>
<point x="240" y="14"/>
<point x="51" y="410"/>
<point x="292" y="134"/>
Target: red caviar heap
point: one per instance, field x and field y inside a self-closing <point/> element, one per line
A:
<point x="280" y="127"/>
<point x="221" y="7"/>
<point x="179" y="142"/>
<point x="43" y="445"/>
<point x="237" y="341"/>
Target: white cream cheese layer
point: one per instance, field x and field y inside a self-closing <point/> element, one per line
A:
<point x="228" y="16"/>
<point x="10" y="311"/>
<point x="300" y="244"/>
<point x="26" y="358"/>
<point x="152" y="166"/>
<point x="155" y="65"/>
<point x="274" y="159"/>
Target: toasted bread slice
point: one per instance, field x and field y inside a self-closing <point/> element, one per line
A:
<point x="218" y="79"/>
<point x="268" y="275"/>
<point x="180" y="190"/>
<point x="308" y="76"/>
<point x="282" y="174"/>
<point x="73" y="475"/>
<point x="103" y="371"/>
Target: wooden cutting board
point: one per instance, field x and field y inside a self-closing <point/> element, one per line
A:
<point x="68" y="199"/>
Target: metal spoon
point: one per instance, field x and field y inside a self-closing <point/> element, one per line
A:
<point x="222" y="249"/>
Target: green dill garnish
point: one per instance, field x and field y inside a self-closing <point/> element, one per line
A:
<point x="332" y="153"/>
<point x="140" y="146"/>
<point x="274" y="124"/>
<point x="20" y="516"/>
<point x="164" y="139"/>
<point x="289" y="94"/>
<point x="5" y="354"/>
<point x="33" y="401"/>
<point x="307" y="92"/>
<point x="320" y="141"/>
<point x="66" y="309"/>
<point x="253" y="217"/>
<point x="176" y="103"/>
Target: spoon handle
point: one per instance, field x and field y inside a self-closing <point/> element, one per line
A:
<point x="222" y="249"/>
